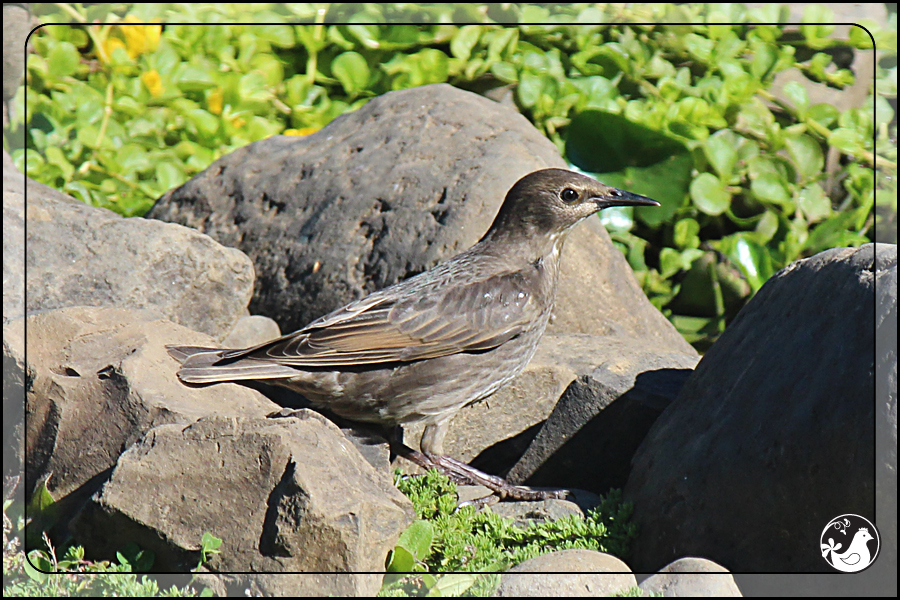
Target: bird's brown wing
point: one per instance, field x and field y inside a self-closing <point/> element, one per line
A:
<point x="425" y="323"/>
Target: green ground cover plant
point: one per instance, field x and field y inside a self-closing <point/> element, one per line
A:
<point x="121" y="109"/>
<point x="459" y="552"/>
<point x="49" y="571"/>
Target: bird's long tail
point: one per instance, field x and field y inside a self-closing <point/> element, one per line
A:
<point x="199" y="365"/>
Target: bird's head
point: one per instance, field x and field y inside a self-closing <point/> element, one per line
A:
<point x="550" y="201"/>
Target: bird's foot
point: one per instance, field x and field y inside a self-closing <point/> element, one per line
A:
<point x="463" y="474"/>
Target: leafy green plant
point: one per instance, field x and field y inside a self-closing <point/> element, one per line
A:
<point x="41" y="573"/>
<point x="752" y="174"/>
<point x="454" y="552"/>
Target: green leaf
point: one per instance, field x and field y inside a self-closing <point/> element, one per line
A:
<point x="764" y="58"/>
<point x="833" y="232"/>
<point x="209" y="544"/>
<point x="452" y="585"/>
<point x="351" y="69"/>
<point x="529" y="89"/>
<point x="252" y="88"/>
<point x="709" y="194"/>
<point x="815" y="26"/>
<point x="824" y="114"/>
<point x="194" y="79"/>
<point x="846" y="140"/>
<point x="630" y="156"/>
<point x="63" y="59"/>
<point x="859" y="37"/>
<point x="753" y="259"/>
<point x="417" y="539"/>
<point x="686" y="233"/>
<point x="278" y="35"/>
<point x="32" y="570"/>
<point x="169" y="176"/>
<point x="796" y="94"/>
<point x="56" y="157"/>
<point x="770" y="188"/>
<point x="699" y="47"/>
<point x="807" y="155"/>
<point x="769" y="179"/>
<point x="402" y="561"/>
<point x="671" y="261"/>
<point x="722" y="152"/>
<point x="505" y="72"/>
<point x="814" y="203"/>
<point x="41" y="500"/>
<point x="464" y="41"/>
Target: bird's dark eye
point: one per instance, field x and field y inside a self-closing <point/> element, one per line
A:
<point x="568" y="195"/>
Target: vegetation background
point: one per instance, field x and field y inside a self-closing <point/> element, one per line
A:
<point x="714" y="110"/>
<point x="766" y="137"/>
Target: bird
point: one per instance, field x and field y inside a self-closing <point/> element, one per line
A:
<point x="856" y="557"/>
<point x="422" y="349"/>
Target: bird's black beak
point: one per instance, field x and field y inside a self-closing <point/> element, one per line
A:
<point x="617" y="197"/>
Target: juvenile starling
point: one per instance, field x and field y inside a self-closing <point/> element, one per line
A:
<point x="423" y="348"/>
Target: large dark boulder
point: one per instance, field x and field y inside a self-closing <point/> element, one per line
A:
<point x="774" y="433"/>
<point x="386" y="192"/>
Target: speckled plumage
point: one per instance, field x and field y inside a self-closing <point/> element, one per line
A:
<point x="425" y="347"/>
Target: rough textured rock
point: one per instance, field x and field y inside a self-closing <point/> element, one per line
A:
<point x="410" y="179"/>
<point x="98" y="379"/>
<point x="256" y="585"/>
<point x="567" y="573"/>
<point x="83" y="255"/>
<point x="516" y="412"/>
<point x="885" y="568"/>
<point x="577" y="504"/>
<point x="772" y="436"/>
<point x="16" y="26"/>
<point x="13" y="407"/>
<point x="13" y="240"/>
<point x="287" y="494"/>
<point x="250" y="331"/>
<point x="599" y="422"/>
<point x="691" y="577"/>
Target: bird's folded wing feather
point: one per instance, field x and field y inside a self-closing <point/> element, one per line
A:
<point x="384" y="328"/>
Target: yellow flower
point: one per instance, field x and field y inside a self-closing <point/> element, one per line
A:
<point x="140" y="39"/>
<point x="214" y="101"/>
<point x="153" y="82"/>
<point x="301" y="131"/>
<point x="110" y="44"/>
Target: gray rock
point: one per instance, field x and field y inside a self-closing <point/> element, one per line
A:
<point x="370" y="440"/>
<point x="388" y="191"/>
<point x="16" y="26"/>
<point x="599" y="422"/>
<point x="98" y="379"/>
<point x="285" y="495"/>
<point x="14" y="408"/>
<point x="567" y="573"/>
<point x="577" y="504"/>
<point x="772" y="436"/>
<point x="885" y="568"/>
<point x="13" y="240"/>
<point x="255" y="585"/>
<point x="691" y="577"/>
<point x="250" y="331"/>
<point x="83" y="255"/>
